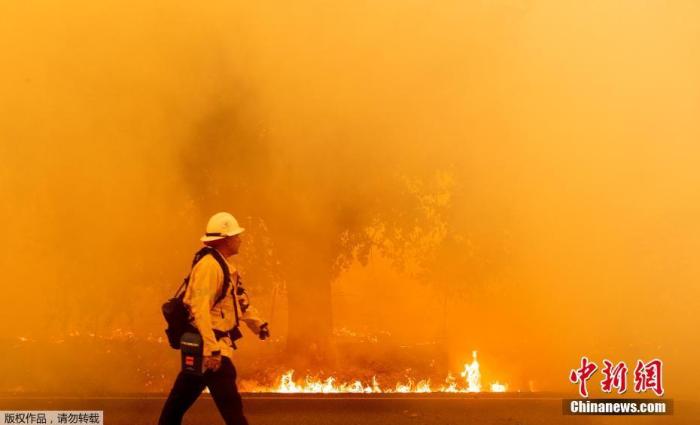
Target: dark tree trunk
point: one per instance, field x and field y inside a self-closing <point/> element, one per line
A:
<point x="310" y="321"/>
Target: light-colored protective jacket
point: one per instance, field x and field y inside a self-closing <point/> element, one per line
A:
<point x="206" y="284"/>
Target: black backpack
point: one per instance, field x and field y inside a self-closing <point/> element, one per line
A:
<point x="174" y="310"/>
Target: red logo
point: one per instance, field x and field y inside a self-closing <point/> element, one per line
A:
<point x="647" y="376"/>
<point x="615" y="377"/>
<point x="189" y="361"/>
<point x="582" y="375"/>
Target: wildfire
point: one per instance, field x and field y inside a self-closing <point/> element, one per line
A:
<point x="498" y="388"/>
<point x="472" y="375"/>
<point x="471" y="384"/>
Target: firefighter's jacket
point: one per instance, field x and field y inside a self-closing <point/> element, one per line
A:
<point x="206" y="284"/>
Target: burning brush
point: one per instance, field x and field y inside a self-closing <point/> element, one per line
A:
<point x="471" y="383"/>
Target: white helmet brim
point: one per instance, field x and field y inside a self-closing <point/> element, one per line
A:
<point x="210" y="237"/>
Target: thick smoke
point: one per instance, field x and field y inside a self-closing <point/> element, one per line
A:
<point x="516" y="177"/>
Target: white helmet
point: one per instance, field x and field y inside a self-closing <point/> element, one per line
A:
<point x="221" y="225"/>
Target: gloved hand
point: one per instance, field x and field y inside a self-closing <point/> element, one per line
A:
<point x="212" y="362"/>
<point x="264" y="332"/>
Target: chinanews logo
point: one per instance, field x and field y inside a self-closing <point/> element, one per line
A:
<point x="647" y="376"/>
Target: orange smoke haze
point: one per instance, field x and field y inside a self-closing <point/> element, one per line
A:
<point x="514" y="177"/>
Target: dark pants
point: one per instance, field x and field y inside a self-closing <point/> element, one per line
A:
<point x="222" y="386"/>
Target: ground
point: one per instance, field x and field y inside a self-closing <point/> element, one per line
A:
<point x="345" y="410"/>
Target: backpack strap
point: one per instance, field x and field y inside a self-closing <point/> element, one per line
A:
<point x="227" y="274"/>
<point x="207" y="250"/>
<point x="235" y="299"/>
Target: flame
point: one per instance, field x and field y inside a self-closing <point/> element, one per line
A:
<point x="327" y="386"/>
<point x="331" y="385"/>
<point x="498" y="388"/>
<point x="451" y="384"/>
<point x="472" y="375"/>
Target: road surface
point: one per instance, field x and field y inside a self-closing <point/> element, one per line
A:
<point x="269" y="409"/>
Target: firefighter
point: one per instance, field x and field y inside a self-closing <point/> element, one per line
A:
<point x="217" y="323"/>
